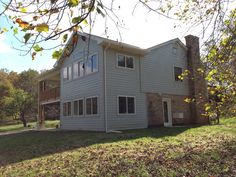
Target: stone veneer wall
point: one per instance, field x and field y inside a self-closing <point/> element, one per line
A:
<point x="52" y="111"/>
<point x="178" y="105"/>
<point x="155" y="112"/>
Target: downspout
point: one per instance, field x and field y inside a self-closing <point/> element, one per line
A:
<point x="38" y="117"/>
<point x="105" y="85"/>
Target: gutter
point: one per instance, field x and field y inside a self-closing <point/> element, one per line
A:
<point x="105" y="85"/>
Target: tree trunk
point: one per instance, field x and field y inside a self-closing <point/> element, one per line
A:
<point x="218" y="114"/>
<point x="22" y="118"/>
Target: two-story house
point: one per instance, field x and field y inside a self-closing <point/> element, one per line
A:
<point x="104" y="85"/>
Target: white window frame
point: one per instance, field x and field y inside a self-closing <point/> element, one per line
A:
<point x="78" y="107"/>
<point x="69" y="76"/>
<point x="125" y="67"/>
<point x="118" y="110"/>
<point x="178" y="81"/>
<point x="71" y="109"/>
<point x="76" y="63"/>
<point x="85" y="62"/>
<point x="91" y="106"/>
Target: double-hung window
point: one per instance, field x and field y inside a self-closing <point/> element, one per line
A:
<point x="178" y="72"/>
<point x="92" y="64"/>
<point x="78" y="69"/>
<point x="67" y="109"/>
<point x="67" y="73"/>
<point x="125" y="61"/>
<point x="126" y="105"/>
<point x="92" y="106"/>
<point x="79" y="107"/>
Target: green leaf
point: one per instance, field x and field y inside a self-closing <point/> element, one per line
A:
<point x="27" y="37"/>
<point x="73" y="3"/>
<point x="15" y="31"/>
<point x="76" y="19"/>
<point x="42" y="27"/>
<point x="56" y="54"/>
<point x="37" y="48"/>
<point x="64" y="39"/>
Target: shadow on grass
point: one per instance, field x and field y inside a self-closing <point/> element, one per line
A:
<point x="32" y="144"/>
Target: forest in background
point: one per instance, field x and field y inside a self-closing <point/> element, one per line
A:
<point x="18" y="96"/>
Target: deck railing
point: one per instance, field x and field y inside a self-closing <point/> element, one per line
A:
<point x="51" y="94"/>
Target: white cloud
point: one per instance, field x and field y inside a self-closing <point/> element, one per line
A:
<point x="4" y="47"/>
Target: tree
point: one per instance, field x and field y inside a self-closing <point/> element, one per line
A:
<point x="18" y="103"/>
<point x="27" y="81"/>
<point x="12" y="85"/>
<point x="5" y="87"/>
<point x="220" y="62"/>
<point x="41" y="21"/>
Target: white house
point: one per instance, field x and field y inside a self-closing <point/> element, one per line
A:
<point x="103" y="85"/>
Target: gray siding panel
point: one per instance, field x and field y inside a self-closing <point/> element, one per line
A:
<point x="87" y="86"/>
<point x="158" y="70"/>
<point x="124" y="82"/>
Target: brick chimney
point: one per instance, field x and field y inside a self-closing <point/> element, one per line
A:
<point x="197" y="82"/>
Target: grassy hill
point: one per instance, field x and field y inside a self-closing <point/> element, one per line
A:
<point x="31" y="125"/>
<point x="179" y="151"/>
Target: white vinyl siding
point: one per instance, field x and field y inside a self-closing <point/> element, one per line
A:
<point x="83" y="87"/>
<point x="157" y="70"/>
<point x="124" y="82"/>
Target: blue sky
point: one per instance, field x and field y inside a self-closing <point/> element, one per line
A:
<point x="11" y="59"/>
<point x="141" y="28"/>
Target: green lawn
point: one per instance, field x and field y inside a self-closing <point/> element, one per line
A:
<point x="48" y="124"/>
<point x="181" y="151"/>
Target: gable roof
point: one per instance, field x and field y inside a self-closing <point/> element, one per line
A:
<point x="176" y="40"/>
<point x="119" y="46"/>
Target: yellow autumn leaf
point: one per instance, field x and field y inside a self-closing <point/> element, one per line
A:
<point x="42" y="27"/>
<point x="23" y="9"/>
<point x="85" y="22"/>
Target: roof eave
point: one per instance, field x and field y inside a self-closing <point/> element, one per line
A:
<point x="176" y="40"/>
<point x="48" y="74"/>
<point x="123" y="47"/>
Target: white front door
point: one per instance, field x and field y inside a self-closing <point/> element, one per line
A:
<point x="167" y="116"/>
